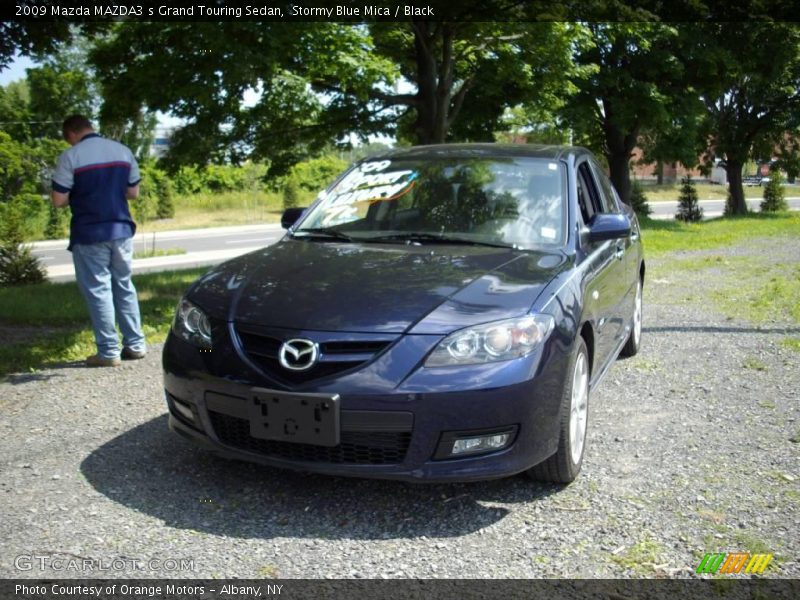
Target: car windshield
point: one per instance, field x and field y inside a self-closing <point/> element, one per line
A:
<point x="493" y="201"/>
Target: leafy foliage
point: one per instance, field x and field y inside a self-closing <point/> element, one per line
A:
<point x="774" y="194"/>
<point x="309" y="176"/>
<point x="56" y="227"/>
<point x="155" y="195"/>
<point x="629" y="82"/>
<point x="320" y="82"/>
<point x="688" y="206"/>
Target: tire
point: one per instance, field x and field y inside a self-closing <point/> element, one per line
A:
<point x="565" y="464"/>
<point x="631" y="347"/>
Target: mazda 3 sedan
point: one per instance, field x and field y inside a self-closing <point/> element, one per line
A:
<point x="438" y="313"/>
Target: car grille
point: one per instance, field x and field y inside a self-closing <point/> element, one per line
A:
<point x="336" y="356"/>
<point x="355" y="447"/>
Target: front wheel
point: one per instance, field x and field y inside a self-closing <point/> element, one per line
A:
<point x="565" y="464"/>
<point x="631" y="347"/>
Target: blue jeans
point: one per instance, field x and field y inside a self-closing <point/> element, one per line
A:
<point x="103" y="272"/>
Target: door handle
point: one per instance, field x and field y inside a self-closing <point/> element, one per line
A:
<point x="620" y="252"/>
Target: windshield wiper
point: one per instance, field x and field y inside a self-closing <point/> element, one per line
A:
<point x="324" y="232"/>
<point x="434" y="238"/>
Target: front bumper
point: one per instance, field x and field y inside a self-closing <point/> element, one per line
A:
<point x="390" y="435"/>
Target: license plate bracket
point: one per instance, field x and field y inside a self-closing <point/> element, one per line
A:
<point x="297" y="418"/>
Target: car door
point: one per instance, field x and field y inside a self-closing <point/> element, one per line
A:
<point x="604" y="270"/>
<point x="625" y="245"/>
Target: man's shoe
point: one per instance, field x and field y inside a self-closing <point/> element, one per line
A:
<point x="98" y="361"/>
<point x="128" y="354"/>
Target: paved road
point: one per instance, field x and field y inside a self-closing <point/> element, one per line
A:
<point x="711" y="208"/>
<point x="214" y="245"/>
<point x="202" y="246"/>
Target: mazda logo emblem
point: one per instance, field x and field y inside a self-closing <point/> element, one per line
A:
<point x="298" y="354"/>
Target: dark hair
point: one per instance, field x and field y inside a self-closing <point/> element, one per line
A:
<point x="74" y="124"/>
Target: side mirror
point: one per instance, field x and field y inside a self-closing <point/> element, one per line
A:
<point x="290" y="216"/>
<point x="605" y="226"/>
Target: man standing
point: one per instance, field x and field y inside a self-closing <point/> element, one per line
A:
<point x="95" y="178"/>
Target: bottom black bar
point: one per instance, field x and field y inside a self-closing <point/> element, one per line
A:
<point x="732" y="588"/>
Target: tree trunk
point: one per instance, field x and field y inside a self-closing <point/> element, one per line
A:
<point x="620" y="175"/>
<point x="737" y="204"/>
<point x="619" y="146"/>
<point x="434" y="80"/>
<point x="660" y="173"/>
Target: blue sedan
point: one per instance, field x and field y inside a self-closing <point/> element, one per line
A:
<point x="439" y="313"/>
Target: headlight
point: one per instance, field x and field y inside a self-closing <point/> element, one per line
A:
<point x="501" y="340"/>
<point x="192" y="325"/>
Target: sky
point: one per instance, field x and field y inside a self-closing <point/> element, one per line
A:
<point x="16" y="70"/>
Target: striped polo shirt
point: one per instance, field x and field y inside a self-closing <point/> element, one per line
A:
<point x="96" y="172"/>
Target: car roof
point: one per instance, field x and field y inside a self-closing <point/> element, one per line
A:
<point x="483" y="150"/>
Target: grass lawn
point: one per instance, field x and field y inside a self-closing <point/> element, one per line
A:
<point x="760" y="285"/>
<point x="48" y="323"/>
<point x="222" y="209"/>
<point x="660" y="236"/>
<point x="707" y="191"/>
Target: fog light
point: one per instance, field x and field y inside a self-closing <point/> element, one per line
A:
<point x="483" y="443"/>
<point x="184" y="410"/>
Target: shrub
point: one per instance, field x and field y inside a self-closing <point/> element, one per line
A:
<point x="688" y="206"/>
<point x="639" y="200"/>
<point x="17" y="264"/>
<point x="56" y="226"/>
<point x="143" y="208"/>
<point x="290" y="194"/>
<point x="223" y="178"/>
<point x="188" y="181"/>
<point x="309" y="176"/>
<point x="316" y="174"/>
<point x="774" y="194"/>
<point x="165" y="209"/>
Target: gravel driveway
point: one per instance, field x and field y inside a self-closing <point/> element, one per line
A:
<point x="689" y="452"/>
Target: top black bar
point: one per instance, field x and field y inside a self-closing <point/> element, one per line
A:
<point x="365" y="11"/>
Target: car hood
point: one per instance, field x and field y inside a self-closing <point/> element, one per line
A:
<point x="381" y="288"/>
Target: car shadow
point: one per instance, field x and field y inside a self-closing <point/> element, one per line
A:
<point x="152" y="470"/>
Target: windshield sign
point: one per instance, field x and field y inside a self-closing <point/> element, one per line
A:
<point x="512" y="202"/>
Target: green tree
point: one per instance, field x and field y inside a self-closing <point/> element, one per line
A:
<point x="165" y="209"/>
<point x="751" y="91"/>
<point x="17" y="264"/>
<point x="54" y="94"/>
<point x="789" y="156"/>
<point x="15" y="118"/>
<point x="318" y="83"/>
<point x="688" y="206"/>
<point x="774" y="194"/>
<point x="639" y="201"/>
<point x="34" y="37"/>
<point x="630" y="82"/>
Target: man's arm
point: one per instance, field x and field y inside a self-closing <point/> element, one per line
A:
<point x="133" y="192"/>
<point x="59" y="199"/>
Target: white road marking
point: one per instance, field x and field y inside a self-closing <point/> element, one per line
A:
<point x="249" y="240"/>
